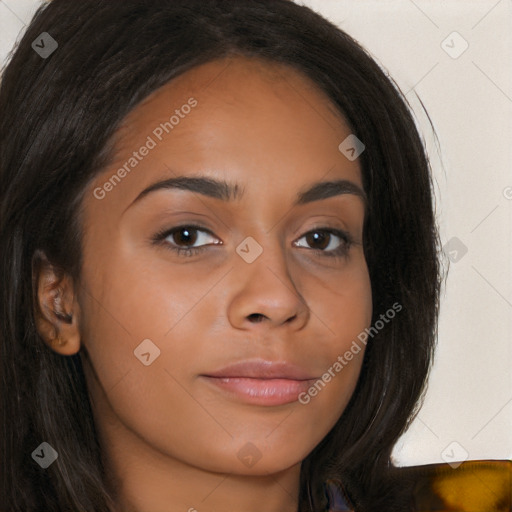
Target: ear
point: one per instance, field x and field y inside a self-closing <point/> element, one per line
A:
<point x="56" y="309"/>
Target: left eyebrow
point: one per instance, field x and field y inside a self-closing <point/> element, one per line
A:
<point x="327" y="189"/>
<point x="225" y="191"/>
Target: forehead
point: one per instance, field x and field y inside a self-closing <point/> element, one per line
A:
<point x="252" y="121"/>
<point x="246" y="99"/>
<point x="239" y="80"/>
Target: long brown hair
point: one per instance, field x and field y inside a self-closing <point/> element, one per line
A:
<point x="58" y="114"/>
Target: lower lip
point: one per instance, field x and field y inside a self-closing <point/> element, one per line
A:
<point x="262" y="391"/>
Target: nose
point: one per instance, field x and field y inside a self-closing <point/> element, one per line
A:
<point x="266" y="294"/>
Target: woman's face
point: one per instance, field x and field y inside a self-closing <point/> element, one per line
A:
<point x="279" y="275"/>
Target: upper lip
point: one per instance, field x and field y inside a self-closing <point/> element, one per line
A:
<point x="261" y="369"/>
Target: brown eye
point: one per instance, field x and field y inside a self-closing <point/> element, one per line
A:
<point x="184" y="235"/>
<point x="189" y="236"/>
<point x="331" y="242"/>
<point x="320" y="239"/>
<point x="186" y="240"/>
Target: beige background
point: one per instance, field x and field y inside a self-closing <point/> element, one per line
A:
<point x="468" y="407"/>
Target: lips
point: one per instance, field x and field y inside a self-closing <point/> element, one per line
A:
<point x="263" y="370"/>
<point x="261" y="382"/>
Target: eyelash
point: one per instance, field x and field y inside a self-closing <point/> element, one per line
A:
<point x="340" y="252"/>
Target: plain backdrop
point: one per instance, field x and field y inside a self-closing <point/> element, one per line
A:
<point x="455" y="56"/>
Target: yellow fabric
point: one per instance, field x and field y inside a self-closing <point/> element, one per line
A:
<point x="474" y="486"/>
<point x="470" y="486"/>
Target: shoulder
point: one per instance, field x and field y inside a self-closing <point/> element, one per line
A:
<point x="462" y="486"/>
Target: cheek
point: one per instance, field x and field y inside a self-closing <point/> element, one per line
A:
<point x="140" y="329"/>
<point x="344" y="306"/>
<point x="342" y="302"/>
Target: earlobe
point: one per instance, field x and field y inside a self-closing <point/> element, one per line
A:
<point x="56" y="310"/>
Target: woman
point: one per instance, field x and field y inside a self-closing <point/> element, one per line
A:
<point x="219" y="258"/>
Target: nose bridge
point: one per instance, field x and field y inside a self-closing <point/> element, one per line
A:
<point x="264" y="253"/>
<point x="266" y="289"/>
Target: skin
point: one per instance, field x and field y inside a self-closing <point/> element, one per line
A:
<point x="171" y="440"/>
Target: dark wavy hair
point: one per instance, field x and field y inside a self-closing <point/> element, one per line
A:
<point x="58" y="115"/>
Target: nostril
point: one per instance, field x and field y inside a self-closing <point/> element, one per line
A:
<point x="255" y="317"/>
